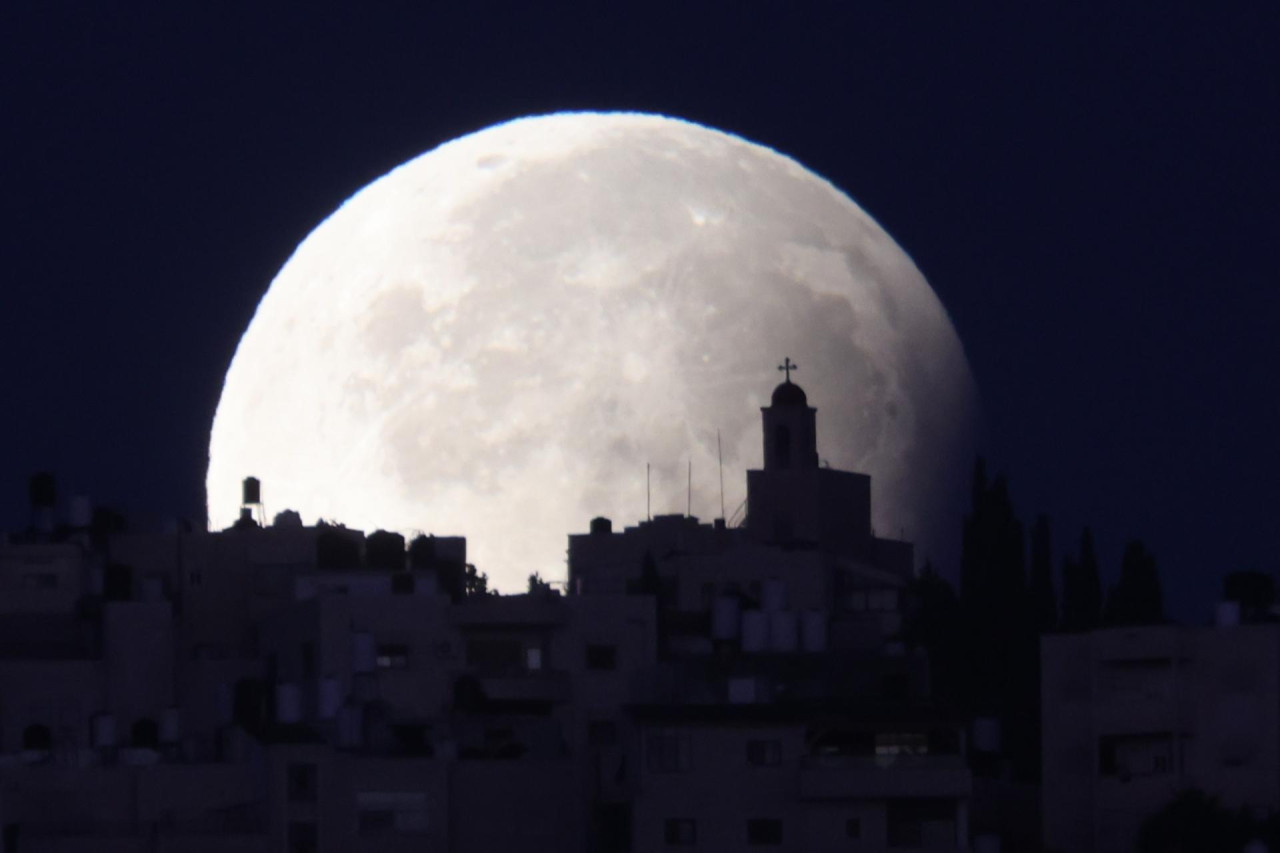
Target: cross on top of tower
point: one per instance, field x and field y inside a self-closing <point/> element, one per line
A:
<point x="787" y="366"/>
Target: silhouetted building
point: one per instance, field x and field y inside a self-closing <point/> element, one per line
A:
<point x="302" y="689"/>
<point x="1131" y="716"/>
<point x="783" y="710"/>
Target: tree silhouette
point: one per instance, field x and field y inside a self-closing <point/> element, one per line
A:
<point x="1136" y="599"/>
<point x="1082" y="588"/>
<point x="1044" y="602"/>
<point x="1092" y="576"/>
<point x="1000" y="648"/>
<point x="537" y="586"/>
<point x="1255" y="592"/>
<point x="934" y="622"/>
<point x="42" y="490"/>
<point x="994" y="593"/>
<point x="475" y="583"/>
<point x="1195" y="822"/>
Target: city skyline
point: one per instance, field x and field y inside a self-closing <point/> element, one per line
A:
<point x="1091" y="196"/>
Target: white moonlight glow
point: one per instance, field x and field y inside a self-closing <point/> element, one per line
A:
<point x="493" y="340"/>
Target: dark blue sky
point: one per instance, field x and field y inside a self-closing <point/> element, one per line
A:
<point x="1093" y="195"/>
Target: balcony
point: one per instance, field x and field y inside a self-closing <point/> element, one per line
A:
<point x="841" y="777"/>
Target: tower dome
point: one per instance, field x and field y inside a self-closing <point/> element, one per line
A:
<point x="789" y="394"/>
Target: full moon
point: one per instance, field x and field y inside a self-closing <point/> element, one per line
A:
<point x="496" y="338"/>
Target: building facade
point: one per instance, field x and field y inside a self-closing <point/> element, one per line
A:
<point x="1132" y="716"/>
<point x="302" y="689"/>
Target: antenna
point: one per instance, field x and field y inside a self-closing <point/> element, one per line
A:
<point x="688" y="505"/>
<point x="648" y="493"/>
<point x="720" y="457"/>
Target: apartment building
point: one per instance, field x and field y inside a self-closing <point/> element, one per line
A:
<point x="290" y="689"/>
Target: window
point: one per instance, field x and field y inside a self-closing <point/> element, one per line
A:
<point x="495" y="655"/>
<point x="533" y="659"/>
<point x="602" y="657"/>
<point x="853" y="828"/>
<point x="303" y="782"/>
<point x="1126" y="756"/>
<point x="902" y="743"/>
<point x="145" y="734"/>
<point x="764" y="753"/>
<point x="393" y="656"/>
<point x="37" y="738"/>
<point x="680" y="832"/>
<point x="782" y="446"/>
<point x="764" y="832"/>
<point x="303" y="837"/>
<point x="668" y="752"/>
<point x="602" y="733"/>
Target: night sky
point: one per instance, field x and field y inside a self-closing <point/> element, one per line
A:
<point x="1093" y="196"/>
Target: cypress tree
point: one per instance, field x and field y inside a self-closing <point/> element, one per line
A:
<point x="1137" y="598"/>
<point x="1090" y="582"/>
<point x="1044" y="602"/>
<point x="1073" y="617"/>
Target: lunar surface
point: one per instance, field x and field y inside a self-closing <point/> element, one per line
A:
<point x="495" y="338"/>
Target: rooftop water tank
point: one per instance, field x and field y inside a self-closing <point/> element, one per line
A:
<point x="252" y="491"/>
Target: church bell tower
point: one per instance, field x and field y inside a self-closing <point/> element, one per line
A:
<point x="790" y="427"/>
<point x="792" y="501"/>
